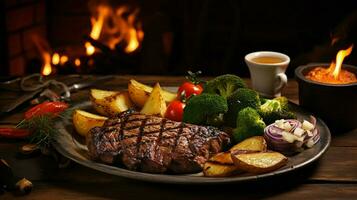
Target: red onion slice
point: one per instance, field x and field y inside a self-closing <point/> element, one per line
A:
<point x="275" y="140"/>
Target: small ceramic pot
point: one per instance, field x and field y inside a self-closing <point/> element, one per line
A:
<point x="336" y="104"/>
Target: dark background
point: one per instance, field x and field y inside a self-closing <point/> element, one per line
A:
<point x="180" y="35"/>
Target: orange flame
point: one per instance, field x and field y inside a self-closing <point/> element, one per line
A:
<point x="77" y="62"/>
<point x="63" y="59"/>
<point x="89" y="48"/>
<point x="97" y="25"/>
<point x="339" y="60"/>
<point x="113" y="26"/>
<point x="44" y="49"/>
<point x="133" y="43"/>
<point x="133" y="36"/>
<point x="47" y="68"/>
<point x="55" y="59"/>
<point x="334" y="74"/>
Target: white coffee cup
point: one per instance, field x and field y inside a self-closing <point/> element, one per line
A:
<point x="268" y="78"/>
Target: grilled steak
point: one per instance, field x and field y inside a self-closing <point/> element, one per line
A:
<point x="154" y="144"/>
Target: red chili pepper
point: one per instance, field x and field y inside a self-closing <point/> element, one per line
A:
<point x="14" y="133"/>
<point x="53" y="107"/>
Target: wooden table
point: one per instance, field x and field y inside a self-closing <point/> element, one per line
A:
<point x="334" y="176"/>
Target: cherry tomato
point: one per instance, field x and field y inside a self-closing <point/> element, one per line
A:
<point x="175" y="110"/>
<point x="190" y="89"/>
<point x="46" y="108"/>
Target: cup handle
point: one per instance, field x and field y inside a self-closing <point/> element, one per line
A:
<point x="283" y="80"/>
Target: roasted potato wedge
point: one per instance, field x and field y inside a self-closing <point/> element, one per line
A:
<point x="84" y="121"/>
<point x="139" y="93"/>
<point x="109" y="103"/>
<point x="220" y="165"/>
<point x="101" y="94"/>
<point x="247" y="156"/>
<point x="258" y="163"/>
<point x="223" y="158"/>
<point x="214" y="169"/>
<point x="252" y="144"/>
<point x="155" y="105"/>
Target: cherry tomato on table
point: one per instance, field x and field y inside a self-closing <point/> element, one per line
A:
<point x="175" y="110"/>
<point x="189" y="89"/>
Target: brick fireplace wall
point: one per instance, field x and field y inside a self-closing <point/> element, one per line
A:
<point x="23" y="19"/>
<point x="207" y="35"/>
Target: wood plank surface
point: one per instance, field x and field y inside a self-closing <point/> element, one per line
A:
<point x="334" y="176"/>
<point x="93" y="191"/>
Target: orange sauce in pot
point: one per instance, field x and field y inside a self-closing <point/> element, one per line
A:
<point x="324" y="75"/>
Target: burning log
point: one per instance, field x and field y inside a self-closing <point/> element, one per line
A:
<point x="97" y="44"/>
<point x="113" y="25"/>
<point x="115" y="39"/>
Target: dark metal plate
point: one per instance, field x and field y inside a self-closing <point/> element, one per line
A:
<point x="70" y="145"/>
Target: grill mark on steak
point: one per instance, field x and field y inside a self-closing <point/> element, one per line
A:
<point x="162" y="124"/>
<point x="139" y="140"/>
<point x="155" y="162"/>
<point x="122" y="125"/>
<point x="179" y="133"/>
<point x="147" y="132"/>
<point x="154" y="144"/>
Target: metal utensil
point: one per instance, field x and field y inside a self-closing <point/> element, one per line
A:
<point x="84" y="84"/>
<point x="65" y="94"/>
<point x="25" y="97"/>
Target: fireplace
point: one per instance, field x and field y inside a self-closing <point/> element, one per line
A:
<point x="20" y="19"/>
<point x="171" y="36"/>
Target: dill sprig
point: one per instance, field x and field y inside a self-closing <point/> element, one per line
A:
<point x="42" y="127"/>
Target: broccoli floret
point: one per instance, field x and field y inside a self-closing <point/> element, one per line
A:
<point x="249" y="123"/>
<point x="262" y="100"/>
<point x="224" y="85"/>
<point x="275" y="109"/>
<point x="240" y="99"/>
<point x="205" y="109"/>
